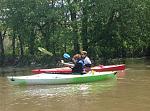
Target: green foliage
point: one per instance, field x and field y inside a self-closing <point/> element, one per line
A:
<point x="105" y="28"/>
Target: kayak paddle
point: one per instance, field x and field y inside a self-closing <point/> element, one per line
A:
<point x="67" y="56"/>
<point x="45" y="51"/>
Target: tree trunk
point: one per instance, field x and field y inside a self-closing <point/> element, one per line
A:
<point x="21" y="46"/>
<point x="84" y="36"/>
<point x="13" y="45"/>
<point x="2" y="55"/>
<point x="75" y="30"/>
<point x="53" y="31"/>
<point x="32" y="43"/>
<point x="147" y="53"/>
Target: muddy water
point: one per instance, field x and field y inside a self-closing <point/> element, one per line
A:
<point x="129" y="93"/>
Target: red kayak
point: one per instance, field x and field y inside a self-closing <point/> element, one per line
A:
<point x="67" y="70"/>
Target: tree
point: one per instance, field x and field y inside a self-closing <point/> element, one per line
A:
<point x="3" y="29"/>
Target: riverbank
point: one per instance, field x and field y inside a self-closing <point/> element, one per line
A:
<point x="10" y="69"/>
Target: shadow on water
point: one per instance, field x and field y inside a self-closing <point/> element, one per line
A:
<point x="138" y="63"/>
<point x="12" y="71"/>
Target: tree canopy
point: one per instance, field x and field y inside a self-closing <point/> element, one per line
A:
<point x="104" y="28"/>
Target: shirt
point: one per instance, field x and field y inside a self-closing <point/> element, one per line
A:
<point x="87" y="60"/>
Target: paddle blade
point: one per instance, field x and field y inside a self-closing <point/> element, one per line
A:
<point x="67" y="56"/>
<point x="44" y="51"/>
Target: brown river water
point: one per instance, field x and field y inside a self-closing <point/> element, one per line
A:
<point x="128" y="93"/>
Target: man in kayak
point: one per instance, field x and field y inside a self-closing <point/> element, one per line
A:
<point x="86" y="60"/>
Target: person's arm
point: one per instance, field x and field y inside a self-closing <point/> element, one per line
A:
<point x="67" y="64"/>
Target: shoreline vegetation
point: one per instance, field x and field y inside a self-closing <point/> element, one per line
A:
<point x="14" y="66"/>
<point x="16" y="70"/>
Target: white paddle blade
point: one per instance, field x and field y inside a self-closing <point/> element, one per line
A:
<point x="44" y="51"/>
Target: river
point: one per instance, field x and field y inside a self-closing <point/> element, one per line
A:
<point x="128" y="93"/>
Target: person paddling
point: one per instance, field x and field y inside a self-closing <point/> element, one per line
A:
<point x="86" y="60"/>
<point x="78" y="64"/>
<point x="78" y="58"/>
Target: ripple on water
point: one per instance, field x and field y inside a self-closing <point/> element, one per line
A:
<point x="37" y="96"/>
<point x="63" y="90"/>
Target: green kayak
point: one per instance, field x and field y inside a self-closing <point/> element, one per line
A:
<point x="45" y="78"/>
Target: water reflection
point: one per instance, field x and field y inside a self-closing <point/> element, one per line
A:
<point x="16" y="98"/>
<point x="63" y="90"/>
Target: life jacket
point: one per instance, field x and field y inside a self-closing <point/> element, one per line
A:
<point x="79" y="65"/>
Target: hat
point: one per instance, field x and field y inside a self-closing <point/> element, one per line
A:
<point x="67" y="56"/>
<point x="84" y="52"/>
